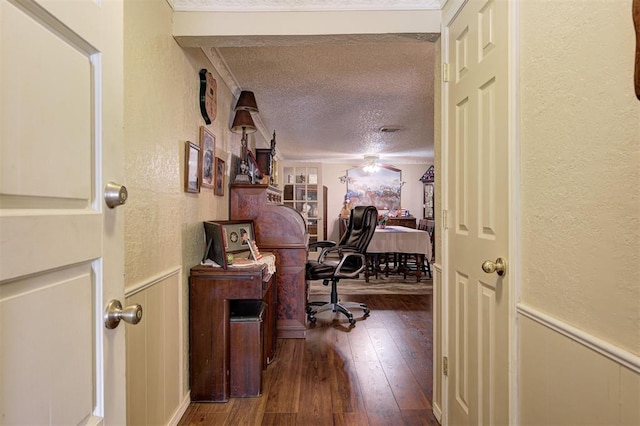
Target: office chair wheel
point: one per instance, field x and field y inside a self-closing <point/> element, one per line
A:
<point x="366" y="312"/>
<point x="312" y="320"/>
<point x="352" y="321"/>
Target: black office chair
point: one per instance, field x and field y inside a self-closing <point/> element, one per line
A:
<point x="346" y="259"/>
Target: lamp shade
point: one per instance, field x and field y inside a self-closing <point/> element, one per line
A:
<point x="243" y="122"/>
<point x="247" y="102"/>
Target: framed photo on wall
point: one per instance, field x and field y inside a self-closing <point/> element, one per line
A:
<point x="191" y="167"/>
<point x="218" y="187"/>
<point x="207" y="148"/>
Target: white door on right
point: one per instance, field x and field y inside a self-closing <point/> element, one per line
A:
<point x="478" y="214"/>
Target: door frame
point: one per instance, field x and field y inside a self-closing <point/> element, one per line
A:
<point x="513" y="146"/>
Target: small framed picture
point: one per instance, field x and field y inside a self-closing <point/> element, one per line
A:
<point x="218" y="187"/>
<point x="230" y="236"/>
<point x="255" y="252"/>
<point x="191" y="167"/>
<point x="207" y="148"/>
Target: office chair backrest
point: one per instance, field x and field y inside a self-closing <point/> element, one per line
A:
<point x="362" y="225"/>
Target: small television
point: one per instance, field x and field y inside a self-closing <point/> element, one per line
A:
<point x="223" y="237"/>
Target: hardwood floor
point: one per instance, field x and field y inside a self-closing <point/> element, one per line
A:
<point x="376" y="373"/>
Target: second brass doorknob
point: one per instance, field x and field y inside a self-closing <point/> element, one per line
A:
<point x="499" y="266"/>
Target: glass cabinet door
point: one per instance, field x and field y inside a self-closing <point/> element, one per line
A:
<point x="301" y="193"/>
<point x="428" y="201"/>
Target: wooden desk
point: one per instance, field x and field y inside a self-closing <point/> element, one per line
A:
<point x="282" y="231"/>
<point x="210" y="290"/>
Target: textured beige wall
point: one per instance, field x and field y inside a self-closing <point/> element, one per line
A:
<point x="580" y="195"/>
<point x="161" y="113"/>
<point x="580" y="159"/>
<point x="164" y="223"/>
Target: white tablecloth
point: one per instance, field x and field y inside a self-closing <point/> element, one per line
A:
<point x="400" y="239"/>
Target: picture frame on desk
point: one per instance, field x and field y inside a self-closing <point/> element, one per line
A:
<point x="227" y="237"/>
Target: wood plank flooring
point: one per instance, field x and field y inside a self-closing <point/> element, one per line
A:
<point x="376" y="373"/>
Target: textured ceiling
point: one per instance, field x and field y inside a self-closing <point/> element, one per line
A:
<point x="330" y="101"/>
<point x="328" y="97"/>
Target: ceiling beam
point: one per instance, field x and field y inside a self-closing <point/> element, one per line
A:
<point x="198" y="29"/>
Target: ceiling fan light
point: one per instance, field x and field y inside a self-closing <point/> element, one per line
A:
<point x="371" y="164"/>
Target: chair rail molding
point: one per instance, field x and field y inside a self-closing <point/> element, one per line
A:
<point x="608" y="350"/>
<point x="138" y="287"/>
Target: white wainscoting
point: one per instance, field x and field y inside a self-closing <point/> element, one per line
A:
<point x="567" y="376"/>
<point x="155" y="360"/>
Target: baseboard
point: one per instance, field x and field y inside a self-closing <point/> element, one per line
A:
<point x="182" y="408"/>
<point x="437" y="412"/>
<point x="604" y="348"/>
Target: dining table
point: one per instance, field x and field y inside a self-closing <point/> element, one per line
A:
<point x="400" y="242"/>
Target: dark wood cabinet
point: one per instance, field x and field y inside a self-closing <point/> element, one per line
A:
<point x="210" y="292"/>
<point x="282" y="231"/>
<point x="264" y="160"/>
<point x="428" y="199"/>
<point x="406" y="221"/>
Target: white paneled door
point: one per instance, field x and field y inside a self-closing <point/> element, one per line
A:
<point x="61" y="248"/>
<point x="478" y="214"/>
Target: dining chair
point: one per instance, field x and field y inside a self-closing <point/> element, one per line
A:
<point x="411" y="262"/>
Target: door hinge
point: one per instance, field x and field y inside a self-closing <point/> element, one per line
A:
<point x="445" y="72"/>
<point x="445" y="365"/>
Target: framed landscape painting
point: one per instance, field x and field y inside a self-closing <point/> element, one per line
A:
<point x="381" y="189"/>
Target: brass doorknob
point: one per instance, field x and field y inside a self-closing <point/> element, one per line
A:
<point x="499" y="266"/>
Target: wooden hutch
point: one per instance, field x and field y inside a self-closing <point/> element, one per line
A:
<point x="280" y="230"/>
